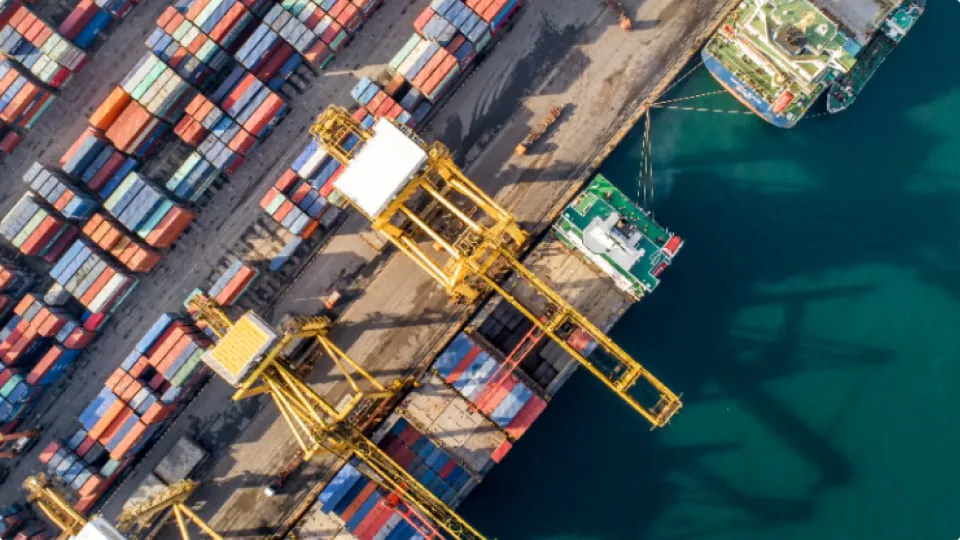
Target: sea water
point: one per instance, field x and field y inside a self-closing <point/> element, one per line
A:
<point x="812" y="323"/>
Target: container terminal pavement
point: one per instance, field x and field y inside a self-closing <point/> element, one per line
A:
<point x="466" y="91"/>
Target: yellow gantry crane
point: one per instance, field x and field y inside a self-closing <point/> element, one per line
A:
<point x="143" y="513"/>
<point x="250" y="356"/>
<point x="412" y="193"/>
<point x="42" y="493"/>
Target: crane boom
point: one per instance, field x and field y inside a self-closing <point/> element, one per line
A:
<point x="316" y="424"/>
<point x="174" y="497"/>
<point x="476" y="248"/>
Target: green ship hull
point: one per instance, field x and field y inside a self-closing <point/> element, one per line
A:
<point x="844" y="91"/>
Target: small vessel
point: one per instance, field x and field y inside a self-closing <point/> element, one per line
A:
<point x="845" y="90"/>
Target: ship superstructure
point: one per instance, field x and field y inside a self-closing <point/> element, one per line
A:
<point x="778" y="56"/>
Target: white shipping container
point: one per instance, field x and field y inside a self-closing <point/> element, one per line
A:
<point x="109" y="293"/>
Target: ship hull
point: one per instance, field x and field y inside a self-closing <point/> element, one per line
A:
<point x="738" y="89"/>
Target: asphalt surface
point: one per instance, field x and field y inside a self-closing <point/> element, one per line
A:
<point x="560" y="52"/>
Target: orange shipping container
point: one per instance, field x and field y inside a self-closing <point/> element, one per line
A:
<point x="129" y="441"/>
<point x="141" y="259"/>
<point x="97" y="286"/>
<point x="40" y="238"/>
<point x="170" y="227"/>
<point x="110" y="109"/>
<point x="124" y="415"/>
<point x="128" y="126"/>
<point x="106" y="420"/>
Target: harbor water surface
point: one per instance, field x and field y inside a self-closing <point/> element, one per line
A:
<point x="812" y="322"/>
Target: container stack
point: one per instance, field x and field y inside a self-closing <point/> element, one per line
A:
<point x="450" y="34"/>
<point x="512" y="404"/>
<point x="363" y="508"/>
<point x="152" y="383"/>
<point x="147" y="211"/>
<point x="22" y="102"/>
<point x="427" y="462"/>
<point x="94" y="279"/>
<point x="115" y="240"/>
<point x="66" y="198"/>
<point x="193" y="178"/>
<point x="37" y="345"/>
<point x="223" y="21"/>
<point x="15" y="281"/>
<point x="50" y="57"/>
<point x="314" y="34"/>
<point x="234" y="281"/>
<point x="95" y="162"/>
<point x="266" y="54"/>
<point x="35" y="229"/>
<point x="295" y="204"/>
<point x="89" y="19"/>
<point x="10" y="139"/>
<point x="193" y="54"/>
<point x="158" y="88"/>
<point x="251" y="103"/>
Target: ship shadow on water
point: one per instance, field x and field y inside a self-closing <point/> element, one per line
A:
<point x="589" y="468"/>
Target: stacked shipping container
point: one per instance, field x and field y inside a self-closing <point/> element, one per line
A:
<point x="50" y="57"/>
<point x="37" y="344"/>
<point x="151" y="384"/>
<point x="36" y="229"/>
<point x="69" y="200"/>
<point x="114" y="239"/>
<point x="90" y="18"/>
<point x="234" y="281"/>
<point x="147" y="211"/>
<point x="94" y="279"/>
<point x="22" y="101"/>
<point x="512" y="405"/>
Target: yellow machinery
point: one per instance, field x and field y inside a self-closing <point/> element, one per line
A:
<point x="143" y="513"/>
<point x="41" y="493"/>
<point x="53" y="505"/>
<point x="413" y="192"/>
<point x="249" y="355"/>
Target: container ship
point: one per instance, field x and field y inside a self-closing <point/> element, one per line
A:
<point x="845" y="90"/>
<point x="778" y="56"/>
<point x="463" y="418"/>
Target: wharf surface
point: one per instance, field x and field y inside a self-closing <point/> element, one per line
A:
<point x="564" y="51"/>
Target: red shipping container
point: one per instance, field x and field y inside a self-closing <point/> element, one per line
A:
<point x="350" y="18"/>
<point x="286" y="180"/>
<point x="10" y="141"/>
<point x="8" y="11"/>
<point x="47" y="453"/>
<point x="337" y="8"/>
<point x="300" y="193"/>
<point x="268" y="197"/>
<point x="526" y="416"/>
<point x="112" y="164"/>
<point x="79" y="338"/>
<point x="96" y="321"/>
<point x="375" y="519"/>
<point x="228" y="22"/>
<point x="85" y="446"/>
<point x="274" y="61"/>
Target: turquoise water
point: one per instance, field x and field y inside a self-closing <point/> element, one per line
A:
<point x="811" y="323"/>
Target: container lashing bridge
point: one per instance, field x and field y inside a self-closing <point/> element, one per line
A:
<point x="157" y="507"/>
<point x="418" y="197"/>
<point x="250" y="356"/>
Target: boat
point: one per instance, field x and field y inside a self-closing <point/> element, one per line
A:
<point x="778" y="57"/>
<point x="845" y="90"/>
